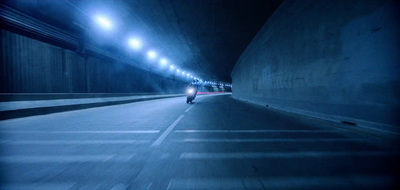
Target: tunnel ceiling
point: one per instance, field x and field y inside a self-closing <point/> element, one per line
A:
<point x="204" y="37"/>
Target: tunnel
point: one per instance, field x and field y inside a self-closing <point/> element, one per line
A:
<point x="199" y="94"/>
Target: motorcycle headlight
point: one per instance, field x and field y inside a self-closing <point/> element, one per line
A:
<point x="190" y="91"/>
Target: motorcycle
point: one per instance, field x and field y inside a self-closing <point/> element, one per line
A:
<point x="190" y="95"/>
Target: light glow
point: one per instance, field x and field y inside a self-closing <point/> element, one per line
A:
<point x="104" y="22"/>
<point x="151" y="54"/>
<point x="163" y="61"/>
<point x="135" y="43"/>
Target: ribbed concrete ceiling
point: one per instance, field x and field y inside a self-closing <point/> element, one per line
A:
<point x="204" y="37"/>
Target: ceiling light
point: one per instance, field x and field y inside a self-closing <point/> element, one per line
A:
<point x="151" y="54"/>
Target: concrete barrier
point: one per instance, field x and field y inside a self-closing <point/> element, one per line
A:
<point x="334" y="60"/>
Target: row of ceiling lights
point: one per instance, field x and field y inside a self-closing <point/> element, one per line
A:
<point x="216" y="83"/>
<point x="137" y="45"/>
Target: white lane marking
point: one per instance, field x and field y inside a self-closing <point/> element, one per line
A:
<point x="267" y="140"/>
<point x="308" y="182"/>
<point x="255" y="131"/>
<point x="148" y="187"/>
<point x="78" y="132"/>
<point x="259" y="155"/>
<point x="73" y="142"/>
<point x="37" y="186"/>
<point x="65" y="158"/>
<point x="167" y="131"/>
<point x="187" y="110"/>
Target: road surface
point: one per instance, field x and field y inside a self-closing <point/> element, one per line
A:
<point x="215" y="144"/>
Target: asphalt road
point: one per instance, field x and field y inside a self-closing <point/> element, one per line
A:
<point x="217" y="143"/>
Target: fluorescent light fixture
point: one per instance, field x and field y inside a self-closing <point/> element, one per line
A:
<point x="135" y="43"/>
<point x="163" y="61"/>
<point x="103" y="22"/>
<point x="151" y="54"/>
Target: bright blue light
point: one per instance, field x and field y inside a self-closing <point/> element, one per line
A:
<point x="103" y="22"/>
<point x="177" y="70"/>
<point x="151" y="54"/>
<point x="135" y="43"/>
<point x="171" y="66"/>
<point x="163" y="61"/>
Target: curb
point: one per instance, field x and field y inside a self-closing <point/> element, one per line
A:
<point x="19" y="113"/>
<point x="360" y="127"/>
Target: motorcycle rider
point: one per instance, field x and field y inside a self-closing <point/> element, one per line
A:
<point x="194" y="86"/>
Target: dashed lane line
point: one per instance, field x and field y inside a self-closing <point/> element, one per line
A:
<point x="167" y="131"/>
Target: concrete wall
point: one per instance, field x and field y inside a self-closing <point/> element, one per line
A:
<point x="326" y="58"/>
<point x="32" y="66"/>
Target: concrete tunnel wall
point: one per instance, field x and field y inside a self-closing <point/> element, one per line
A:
<point x="329" y="59"/>
<point x="32" y="66"/>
